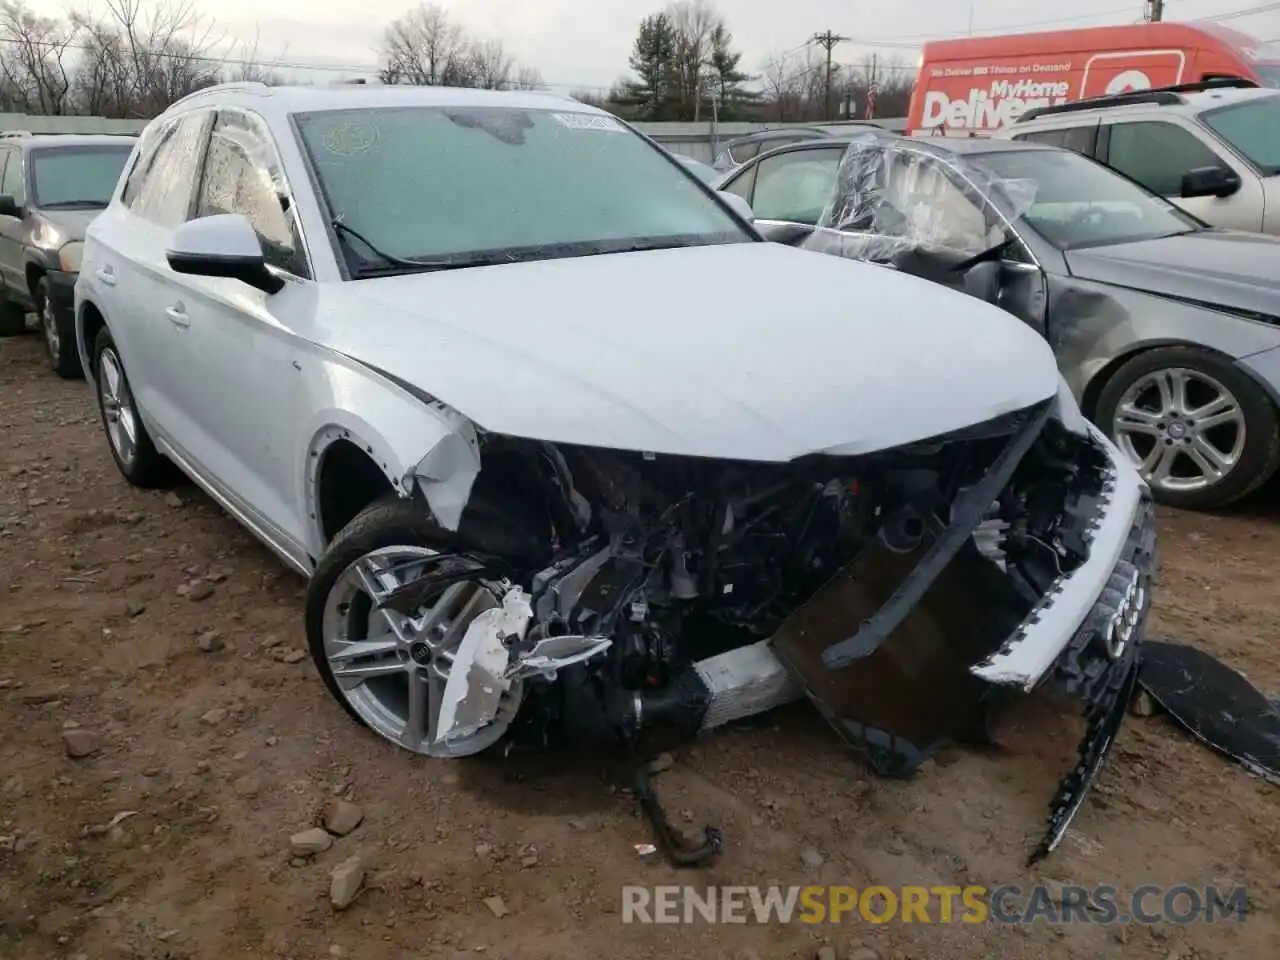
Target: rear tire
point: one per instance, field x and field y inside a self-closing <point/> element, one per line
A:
<point x="135" y="455"/>
<point x="1239" y="422"/>
<point x="59" y="335"/>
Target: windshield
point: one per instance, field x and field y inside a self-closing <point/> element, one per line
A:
<point x="470" y="186"/>
<point x="1079" y="203"/>
<point x="77" y="176"/>
<point x="1253" y="128"/>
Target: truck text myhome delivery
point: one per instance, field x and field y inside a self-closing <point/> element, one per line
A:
<point x="977" y="84"/>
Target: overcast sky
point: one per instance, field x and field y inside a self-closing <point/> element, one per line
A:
<point x="577" y="44"/>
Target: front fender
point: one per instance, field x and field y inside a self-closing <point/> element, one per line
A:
<point x="1091" y="325"/>
<point x="414" y="440"/>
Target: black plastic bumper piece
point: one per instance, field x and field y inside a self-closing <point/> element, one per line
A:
<point x="1105" y="685"/>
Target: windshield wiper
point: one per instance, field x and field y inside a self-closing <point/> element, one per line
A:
<point x="54" y="204"/>
<point x="389" y="260"/>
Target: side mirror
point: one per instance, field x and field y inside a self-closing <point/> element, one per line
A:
<point x="982" y="280"/>
<point x="10" y="207"/>
<point x="1210" y="182"/>
<point x="225" y="245"/>
<point x="738" y="205"/>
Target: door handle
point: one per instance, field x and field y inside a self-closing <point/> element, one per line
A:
<point x="178" y="316"/>
<point x="107" y="276"/>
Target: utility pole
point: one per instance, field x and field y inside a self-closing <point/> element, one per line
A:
<point x="828" y="40"/>
<point x="1155" y="10"/>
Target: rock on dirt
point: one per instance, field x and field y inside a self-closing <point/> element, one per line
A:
<point x="812" y="858"/>
<point x="662" y="762"/>
<point x="1142" y="705"/>
<point x="210" y="641"/>
<point x="340" y="817"/>
<point x="345" y="882"/>
<point x="497" y="906"/>
<point x="825" y="953"/>
<point x="310" y="842"/>
<point x="200" y="590"/>
<point x="81" y="743"/>
<point x="214" y="717"/>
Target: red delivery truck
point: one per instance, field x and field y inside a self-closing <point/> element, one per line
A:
<point x="974" y="85"/>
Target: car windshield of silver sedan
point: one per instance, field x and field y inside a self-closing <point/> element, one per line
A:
<point x="70" y="177"/>
<point x="1080" y="203"/>
<point x="429" y="188"/>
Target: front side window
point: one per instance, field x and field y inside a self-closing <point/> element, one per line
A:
<point x="1252" y="128"/>
<point x="77" y="176"/>
<point x="1076" y="202"/>
<point x="12" y="185"/>
<point x="474" y="185"/>
<point x="164" y="193"/>
<point x="796" y="186"/>
<point x="242" y="174"/>
<point x="1157" y="154"/>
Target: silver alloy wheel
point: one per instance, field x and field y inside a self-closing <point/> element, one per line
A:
<point x="117" y="407"/>
<point x="1183" y="429"/>
<point x="49" y="321"/>
<point x="392" y="669"/>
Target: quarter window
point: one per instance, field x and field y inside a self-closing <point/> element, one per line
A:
<point x="1079" y="139"/>
<point x="168" y="174"/>
<point x="1157" y="154"/>
<point x="242" y="174"/>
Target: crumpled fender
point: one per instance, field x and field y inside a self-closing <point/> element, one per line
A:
<point x="415" y="440"/>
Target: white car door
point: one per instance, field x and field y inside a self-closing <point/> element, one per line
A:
<point x="1157" y="153"/>
<point x="133" y="278"/>
<point x="242" y="384"/>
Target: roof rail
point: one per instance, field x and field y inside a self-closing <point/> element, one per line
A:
<point x="1163" y="96"/>
<point x="248" y="86"/>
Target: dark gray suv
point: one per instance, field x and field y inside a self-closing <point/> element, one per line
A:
<point x="50" y="188"/>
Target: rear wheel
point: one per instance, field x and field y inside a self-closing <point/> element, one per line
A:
<point x="389" y="670"/>
<point x="59" y="335"/>
<point x="1200" y="430"/>
<point x="131" y="447"/>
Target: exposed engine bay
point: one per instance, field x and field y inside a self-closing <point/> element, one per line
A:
<point x="614" y="595"/>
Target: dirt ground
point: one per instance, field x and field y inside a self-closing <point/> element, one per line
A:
<point x="172" y="839"/>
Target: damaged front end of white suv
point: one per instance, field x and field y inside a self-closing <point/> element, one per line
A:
<point x="612" y="593"/>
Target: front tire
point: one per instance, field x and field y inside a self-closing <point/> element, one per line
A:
<point x="135" y="455"/>
<point x="59" y="335"/>
<point x="1201" y="431"/>
<point x="388" y="671"/>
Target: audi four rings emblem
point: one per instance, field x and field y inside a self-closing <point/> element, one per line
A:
<point x="1119" y="630"/>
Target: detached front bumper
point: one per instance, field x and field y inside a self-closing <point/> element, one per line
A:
<point x="1101" y="607"/>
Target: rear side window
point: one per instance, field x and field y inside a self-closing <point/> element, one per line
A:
<point x="1079" y="139"/>
<point x="1157" y="154"/>
<point x="742" y="152"/>
<point x="163" y="194"/>
<point x="12" y="185"/>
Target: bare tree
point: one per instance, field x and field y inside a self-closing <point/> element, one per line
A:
<point x="138" y="61"/>
<point x="425" y="48"/>
<point x="491" y="65"/>
<point x="529" y="78"/>
<point x="36" y="75"/>
<point x="245" y="65"/>
<point x="694" y="22"/>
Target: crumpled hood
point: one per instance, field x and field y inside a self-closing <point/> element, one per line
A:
<point x="751" y="351"/>
<point x="1238" y="270"/>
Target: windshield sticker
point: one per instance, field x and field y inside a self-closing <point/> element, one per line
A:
<point x="348" y="138"/>
<point x="588" y="121"/>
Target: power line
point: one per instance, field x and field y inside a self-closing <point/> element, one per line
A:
<point x="828" y="41"/>
<point x="1247" y="12"/>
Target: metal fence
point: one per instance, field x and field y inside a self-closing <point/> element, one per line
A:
<point x="701" y="141"/>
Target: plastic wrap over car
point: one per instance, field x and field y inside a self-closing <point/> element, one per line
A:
<point x="895" y="198"/>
